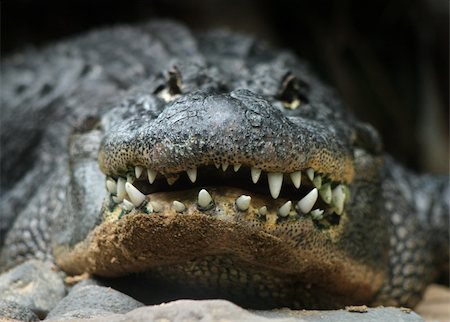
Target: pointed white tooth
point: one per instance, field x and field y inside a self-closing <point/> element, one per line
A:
<point x="296" y="178"/>
<point x="121" y="188"/>
<point x="224" y="166"/>
<point x="325" y="193"/>
<point x="130" y="177"/>
<point x="151" y="175"/>
<point x="310" y="174"/>
<point x="138" y="171"/>
<point x="275" y="182"/>
<point x="178" y="206"/>
<point x="127" y="205"/>
<point x="317" y="214"/>
<point x="172" y="180"/>
<point x="338" y="199"/>
<point x="285" y="209"/>
<point x="243" y="202"/>
<point x="217" y="165"/>
<point x="236" y="167"/>
<point x="116" y="199"/>
<point x="192" y="174"/>
<point x="111" y="186"/>
<point x="308" y="201"/>
<point x="317" y="181"/>
<point x="262" y="211"/>
<point x="156" y="206"/>
<point x="149" y="208"/>
<point x="204" y="198"/>
<point x="256" y="173"/>
<point x="136" y="197"/>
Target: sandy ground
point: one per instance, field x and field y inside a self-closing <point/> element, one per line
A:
<point x="436" y="304"/>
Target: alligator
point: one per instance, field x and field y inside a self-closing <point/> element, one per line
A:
<point x="213" y="162"/>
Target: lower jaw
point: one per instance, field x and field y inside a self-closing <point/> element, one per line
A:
<point x="298" y="263"/>
<point x="228" y="277"/>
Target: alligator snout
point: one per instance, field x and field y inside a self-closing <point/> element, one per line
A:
<point x="237" y="128"/>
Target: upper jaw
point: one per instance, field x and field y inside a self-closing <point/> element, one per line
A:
<point x="201" y="130"/>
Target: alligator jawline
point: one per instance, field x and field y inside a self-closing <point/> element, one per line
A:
<point x="231" y="189"/>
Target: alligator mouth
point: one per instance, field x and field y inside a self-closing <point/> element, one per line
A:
<point x="223" y="188"/>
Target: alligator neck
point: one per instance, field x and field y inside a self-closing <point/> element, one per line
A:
<point x="418" y="210"/>
<point x="431" y="200"/>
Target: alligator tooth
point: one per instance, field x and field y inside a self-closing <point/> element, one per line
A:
<point x="243" y="202"/>
<point x="127" y="205"/>
<point x="256" y="173"/>
<point x="262" y="211"/>
<point x="121" y="188"/>
<point x="111" y="186"/>
<point x="317" y="214"/>
<point x="136" y="197"/>
<point x="151" y="175"/>
<point x="156" y="206"/>
<point x="178" y="206"/>
<point x="138" y="171"/>
<point x="192" y="174"/>
<point x="325" y="193"/>
<point x="149" y="208"/>
<point x="338" y="199"/>
<point x="346" y="191"/>
<point x="130" y="177"/>
<point x="224" y="167"/>
<point x="204" y="198"/>
<point x="171" y="180"/>
<point x="275" y="183"/>
<point x="296" y="178"/>
<point x="217" y="165"/>
<point x="116" y="199"/>
<point x="310" y="174"/>
<point x="308" y="201"/>
<point x="285" y="209"/>
<point x="236" y="167"/>
<point x="317" y="181"/>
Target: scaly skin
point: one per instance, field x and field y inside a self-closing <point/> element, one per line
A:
<point x="115" y="103"/>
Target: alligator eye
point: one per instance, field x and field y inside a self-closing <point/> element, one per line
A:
<point x="292" y="91"/>
<point x="172" y="87"/>
<point x="367" y="138"/>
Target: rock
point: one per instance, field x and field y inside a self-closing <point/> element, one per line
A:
<point x="92" y="301"/>
<point x="34" y="285"/>
<point x="12" y="310"/>
<point x="191" y="310"/>
<point x="435" y="304"/>
<point x="221" y="310"/>
<point x="350" y="315"/>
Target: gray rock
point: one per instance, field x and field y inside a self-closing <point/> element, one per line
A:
<point x="34" y="285"/>
<point x="221" y="310"/>
<point x="190" y="310"/>
<point x="12" y="310"/>
<point x="92" y="301"/>
<point x="386" y="314"/>
<point x="87" y="282"/>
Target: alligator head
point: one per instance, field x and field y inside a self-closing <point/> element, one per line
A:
<point x="267" y="195"/>
<point x="237" y="175"/>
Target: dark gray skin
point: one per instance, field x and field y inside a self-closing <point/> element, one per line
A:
<point x="113" y="99"/>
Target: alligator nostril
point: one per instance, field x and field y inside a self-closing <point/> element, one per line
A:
<point x="254" y="119"/>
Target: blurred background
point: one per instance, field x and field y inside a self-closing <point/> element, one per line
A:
<point x="389" y="59"/>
